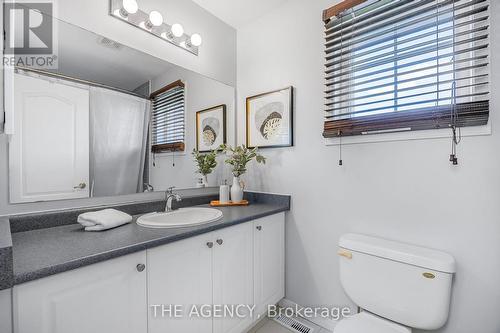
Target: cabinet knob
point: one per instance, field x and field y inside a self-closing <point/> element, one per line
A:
<point x="259" y="227"/>
<point x="140" y="267"/>
<point x="220" y="241"/>
<point x="210" y="245"/>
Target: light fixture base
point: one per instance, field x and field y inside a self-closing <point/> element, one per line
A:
<point x="140" y="19"/>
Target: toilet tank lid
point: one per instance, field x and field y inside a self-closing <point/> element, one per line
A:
<point x="397" y="251"/>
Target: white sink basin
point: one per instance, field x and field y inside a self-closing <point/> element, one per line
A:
<point x="184" y="217"/>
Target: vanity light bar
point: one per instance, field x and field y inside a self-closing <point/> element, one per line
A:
<point x="153" y="22"/>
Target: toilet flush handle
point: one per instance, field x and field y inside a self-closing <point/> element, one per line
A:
<point x="345" y="253"/>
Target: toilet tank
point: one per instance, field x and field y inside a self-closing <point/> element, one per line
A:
<point x="408" y="284"/>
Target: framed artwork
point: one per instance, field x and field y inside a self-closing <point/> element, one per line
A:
<point x="269" y="119"/>
<point x="210" y="128"/>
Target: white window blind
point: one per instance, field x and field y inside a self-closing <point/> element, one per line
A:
<point x="167" y="124"/>
<point x="406" y="65"/>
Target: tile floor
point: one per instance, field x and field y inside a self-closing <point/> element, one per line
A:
<point x="270" y="326"/>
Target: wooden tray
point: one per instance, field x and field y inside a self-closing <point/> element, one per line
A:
<point x="217" y="203"/>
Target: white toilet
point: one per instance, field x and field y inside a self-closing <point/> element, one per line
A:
<point x="399" y="286"/>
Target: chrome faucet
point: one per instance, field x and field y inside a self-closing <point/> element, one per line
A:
<point x="169" y="196"/>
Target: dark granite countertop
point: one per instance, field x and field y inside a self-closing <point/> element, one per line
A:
<point x="47" y="251"/>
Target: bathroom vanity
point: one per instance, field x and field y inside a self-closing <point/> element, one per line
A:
<point x="113" y="124"/>
<point x="69" y="280"/>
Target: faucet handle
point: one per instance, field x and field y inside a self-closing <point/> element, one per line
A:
<point x="170" y="190"/>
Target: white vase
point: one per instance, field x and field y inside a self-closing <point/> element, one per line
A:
<point x="205" y="180"/>
<point x="237" y="190"/>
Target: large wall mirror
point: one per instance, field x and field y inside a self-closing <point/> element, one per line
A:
<point x="110" y="120"/>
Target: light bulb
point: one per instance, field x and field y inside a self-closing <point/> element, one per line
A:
<point x="130" y="6"/>
<point x="156" y="18"/>
<point x="196" y="40"/>
<point x="177" y="30"/>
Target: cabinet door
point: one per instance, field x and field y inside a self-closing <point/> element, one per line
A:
<point x="180" y="274"/>
<point x="6" y="311"/>
<point x="100" y="298"/>
<point x="269" y="261"/>
<point x="233" y="275"/>
<point x="49" y="147"/>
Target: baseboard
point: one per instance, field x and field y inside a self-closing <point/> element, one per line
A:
<point x="257" y="325"/>
<point x="328" y="324"/>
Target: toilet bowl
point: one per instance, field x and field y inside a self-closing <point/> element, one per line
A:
<point x="366" y="322"/>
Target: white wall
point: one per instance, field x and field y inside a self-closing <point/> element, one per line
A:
<point x="405" y="190"/>
<point x="200" y="93"/>
<point x="217" y="57"/>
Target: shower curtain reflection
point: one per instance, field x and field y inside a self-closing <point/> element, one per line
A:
<point x="118" y="140"/>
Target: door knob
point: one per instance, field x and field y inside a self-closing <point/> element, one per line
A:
<point x="80" y="186"/>
<point x="210" y="245"/>
<point x="259" y="227"/>
<point x="140" y="267"/>
<point x="220" y="241"/>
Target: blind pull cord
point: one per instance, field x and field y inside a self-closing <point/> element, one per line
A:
<point x="341" y="61"/>
<point x="340" y="148"/>
<point x="456" y="136"/>
<point x="456" y="132"/>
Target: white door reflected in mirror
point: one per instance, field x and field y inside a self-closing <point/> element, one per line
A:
<point x="49" y="149"/>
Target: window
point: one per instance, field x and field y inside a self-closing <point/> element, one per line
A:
<point x="398" y="65"/>
<point x="167" y="123"/>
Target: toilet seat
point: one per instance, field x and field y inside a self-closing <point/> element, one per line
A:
<point x="366" y="322"/>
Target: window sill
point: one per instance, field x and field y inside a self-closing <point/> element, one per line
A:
<point x="409" y="135"/>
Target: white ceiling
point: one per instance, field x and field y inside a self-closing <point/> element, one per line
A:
<point x="239" y="13"/>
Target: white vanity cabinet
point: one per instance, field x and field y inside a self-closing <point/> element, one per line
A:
<point x="6" y="311"/>
<point x="233" y="275"/>
<point x="180" y="273"/>
<point x="269" y="261"/>
<point x="212" y="269"/>
<point x="106" y="297"/>
<point x="237" y="265"/>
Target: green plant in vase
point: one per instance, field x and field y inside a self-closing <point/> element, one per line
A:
<point x="205" y="163"/>
<point x="238" y="158"/>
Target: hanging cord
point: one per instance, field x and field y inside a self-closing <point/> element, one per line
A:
<point x="341" y="62"/>
<point x="438" y="67"/>
<point x="339" y="133"/>
<point x="455" y="130"/>
<point x="340" y="147"/>
<point x="173" y="156"/>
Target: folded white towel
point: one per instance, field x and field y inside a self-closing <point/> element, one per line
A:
<point x="103" y="219"/>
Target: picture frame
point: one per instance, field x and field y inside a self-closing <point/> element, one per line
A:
<point x="269" y="119"/>
<point x="211" y="128"/>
